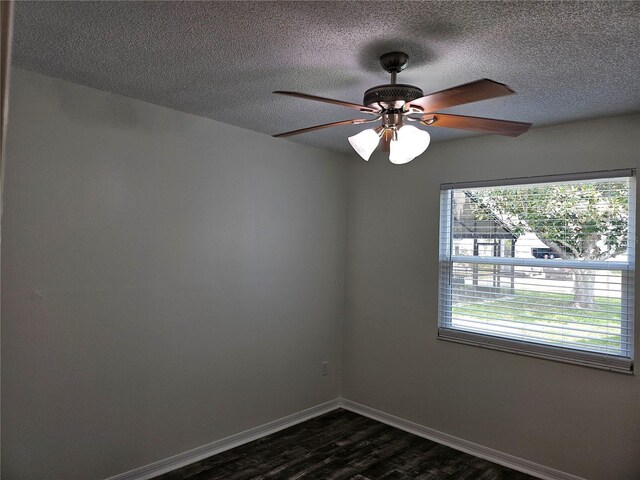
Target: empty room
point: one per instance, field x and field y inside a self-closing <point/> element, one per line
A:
<point x="346" y="240"/>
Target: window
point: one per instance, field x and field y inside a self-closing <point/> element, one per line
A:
<point x="541" y="266"/>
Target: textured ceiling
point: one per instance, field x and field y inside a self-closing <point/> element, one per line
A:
<point x="222" y="60"/>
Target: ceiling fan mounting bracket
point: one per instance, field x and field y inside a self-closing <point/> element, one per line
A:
<point x="394" y="62"/>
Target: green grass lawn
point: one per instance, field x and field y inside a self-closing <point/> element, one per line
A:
<point x="543" y="307"/>
<point x="547" y="312"/>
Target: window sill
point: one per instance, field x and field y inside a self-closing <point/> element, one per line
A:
<point x="577" y="357"/>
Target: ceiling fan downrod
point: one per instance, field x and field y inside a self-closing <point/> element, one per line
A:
<point x="393" y="96"/>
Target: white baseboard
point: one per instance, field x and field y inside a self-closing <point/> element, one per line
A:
<point x="486" y="453"/>
<point x="200" y="453"/>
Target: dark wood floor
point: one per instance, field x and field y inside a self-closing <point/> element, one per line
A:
<point x="342" y="445"/>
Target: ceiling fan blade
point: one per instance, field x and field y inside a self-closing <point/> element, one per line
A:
<point x="354" y="106"/>
<point x="489" y="125"/>
<point x="354" y="121"/>
<point x="467" y="93"/>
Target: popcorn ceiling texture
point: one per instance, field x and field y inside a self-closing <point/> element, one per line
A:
<point x="566" y="60"/>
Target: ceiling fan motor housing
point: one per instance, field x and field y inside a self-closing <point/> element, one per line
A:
<point x="391" y="96"/>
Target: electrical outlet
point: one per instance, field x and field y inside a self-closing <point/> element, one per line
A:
<point x="324" y="368"/>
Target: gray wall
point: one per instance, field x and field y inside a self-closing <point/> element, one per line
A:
<point x="167" y="281"/>
<point x="576" y="419"/>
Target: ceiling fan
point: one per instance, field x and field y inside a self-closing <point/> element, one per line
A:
<point x="395" y="105"/>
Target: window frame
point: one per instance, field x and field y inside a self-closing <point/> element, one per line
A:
<point x="617" y="363"/>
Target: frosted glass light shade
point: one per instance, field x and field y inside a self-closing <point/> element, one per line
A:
<point x="411" y="142"/>
<point x="365" y="142"/>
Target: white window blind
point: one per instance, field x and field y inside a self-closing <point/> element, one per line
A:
<point x="543" y="268"/>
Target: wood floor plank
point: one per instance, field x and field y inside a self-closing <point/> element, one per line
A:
<point x="342" y="445"/>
